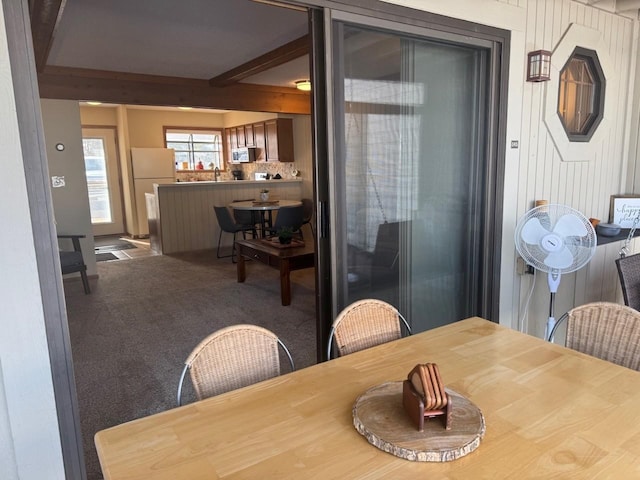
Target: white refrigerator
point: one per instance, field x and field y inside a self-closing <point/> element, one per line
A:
<point x="150" y="165"/>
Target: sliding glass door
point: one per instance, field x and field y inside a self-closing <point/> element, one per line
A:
<point x="414" y="172"/>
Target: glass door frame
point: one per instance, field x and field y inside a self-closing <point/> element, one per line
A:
<point x="421" y="24"/>
<point x="109" y="134"/>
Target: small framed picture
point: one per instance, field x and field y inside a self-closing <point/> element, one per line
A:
<point x="624" y="210"/>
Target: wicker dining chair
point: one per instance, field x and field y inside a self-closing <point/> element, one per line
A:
<point x="629" y="273"/>
<point x="231" y="358"/>
<point x="364" y="324"/>
<point x="606" y="330"/>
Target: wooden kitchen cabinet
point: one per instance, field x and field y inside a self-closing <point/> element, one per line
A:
<point x="279" y="140"/>
<point x="240" y="136"/>
<point x="272" y="139"/>
<point x="249" y="137"/>
<point x="229" y="144"/>
<point x="260" y="141"/>
<point x="233" y="137"/>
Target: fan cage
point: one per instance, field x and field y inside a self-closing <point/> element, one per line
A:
<point x="582" y="247"/>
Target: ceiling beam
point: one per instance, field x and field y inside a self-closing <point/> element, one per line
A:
<point x="283" y="54"/>
<point x="45" y="17"/>
<point x="138" y="89"/>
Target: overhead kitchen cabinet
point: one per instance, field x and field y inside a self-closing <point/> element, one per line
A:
<point x="249" y="137"/>
<point x="240" y="137"/>
<point x="260" y="141"/>
<point x="279" y="139"/>
<point x="272" y="139"/>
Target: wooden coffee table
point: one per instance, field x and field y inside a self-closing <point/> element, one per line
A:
<point x="284" y="259"/>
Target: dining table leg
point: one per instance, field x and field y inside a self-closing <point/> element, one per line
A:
<point x="240" y="267"/>
<point x="285" y="282"/>
<point x="265" y="221"/>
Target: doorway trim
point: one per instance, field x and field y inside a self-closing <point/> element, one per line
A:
<point x="497" y="41"/>
<point x="28" y="111"/>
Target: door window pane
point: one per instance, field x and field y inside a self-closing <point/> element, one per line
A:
<point x="410" y="174"/>
<point x="96" y="170"/>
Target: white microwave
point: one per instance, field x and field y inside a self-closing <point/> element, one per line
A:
<point x="243" y="155"/>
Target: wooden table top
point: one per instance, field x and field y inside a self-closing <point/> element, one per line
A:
<point x="269" y="247"/>
<point x="550" y="412"/>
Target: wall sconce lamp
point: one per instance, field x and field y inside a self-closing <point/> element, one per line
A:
<point x="539" y="66"/>
<point x="304" y="85"/>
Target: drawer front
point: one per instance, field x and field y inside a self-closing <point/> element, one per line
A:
<point x="255" y="255"/>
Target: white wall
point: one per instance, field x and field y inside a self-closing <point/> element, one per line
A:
<point x="535" y="170"/>
<point x="61" y="121"/>
<point x="29" y="438"/>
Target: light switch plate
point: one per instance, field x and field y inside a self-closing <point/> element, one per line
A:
<point x="57" y="182"/>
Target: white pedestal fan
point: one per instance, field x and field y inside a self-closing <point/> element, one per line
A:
<point x="555" y="239"/>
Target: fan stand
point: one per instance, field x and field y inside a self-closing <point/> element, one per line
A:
<point x="554" y="280"/>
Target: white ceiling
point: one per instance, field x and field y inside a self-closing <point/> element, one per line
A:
<point x="187" y="38"/>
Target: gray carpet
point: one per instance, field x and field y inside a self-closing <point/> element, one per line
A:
<point x="131" y="335"/>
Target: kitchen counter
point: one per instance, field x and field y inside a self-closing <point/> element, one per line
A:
<point x="238" y="183"/>
<point x="185" y="220"/>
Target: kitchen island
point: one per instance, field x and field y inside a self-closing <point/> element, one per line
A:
<point x="183" y="211"/>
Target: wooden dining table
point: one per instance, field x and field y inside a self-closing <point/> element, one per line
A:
<point x="550" y="412"/>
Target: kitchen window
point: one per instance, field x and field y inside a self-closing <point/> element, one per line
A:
<point x="195" y="148"/>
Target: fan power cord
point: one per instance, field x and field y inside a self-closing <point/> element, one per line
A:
<point x="524" y="312"/>
<point x="555" y="327"/>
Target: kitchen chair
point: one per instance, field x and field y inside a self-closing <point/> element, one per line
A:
<point x="307" y="214"/>
<point x="231" y="358"/>
<point x="72" y="261"/>
<point x="605" y="330"/>
<point x="247" y="217"/>
<point x="290" y="217"/>
<point x="228" y="224"/>
<point x="364" y="324"/>
<point x="629" y="273"/>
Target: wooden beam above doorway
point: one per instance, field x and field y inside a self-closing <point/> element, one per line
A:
<point x="139" y="89"/>
<point x="45" y="17"/>
<point x="278" y="56"/>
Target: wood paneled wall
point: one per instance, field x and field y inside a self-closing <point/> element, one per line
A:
<point x="187" y="219"/>
<point x="586" y="186"/>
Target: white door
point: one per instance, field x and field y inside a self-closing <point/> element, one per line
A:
<point x="102" y="167"/>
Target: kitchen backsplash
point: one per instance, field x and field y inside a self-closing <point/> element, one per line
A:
<point x="249" y="169"/>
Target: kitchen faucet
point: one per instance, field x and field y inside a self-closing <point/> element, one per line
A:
<point x="216" y="174"/>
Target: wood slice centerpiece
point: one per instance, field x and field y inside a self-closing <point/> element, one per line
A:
<point x="379" y="415"/>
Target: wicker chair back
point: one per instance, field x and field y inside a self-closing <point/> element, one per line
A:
<point x="364" y="324"/>
<point x="231" y="358"/>
<point x="605" y="330"/>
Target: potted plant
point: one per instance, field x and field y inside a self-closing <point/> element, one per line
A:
<point x="264" y="194"/>
<point x="285" y="235"/>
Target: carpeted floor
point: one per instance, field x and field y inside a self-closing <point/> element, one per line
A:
<point x="131" y="335"/>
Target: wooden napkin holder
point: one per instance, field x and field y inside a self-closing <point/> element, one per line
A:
<point x="424" y="396"/>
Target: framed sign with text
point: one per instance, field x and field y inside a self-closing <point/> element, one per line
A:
<point x="624" y="210"/>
